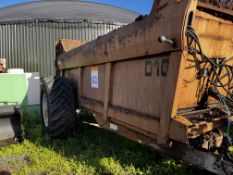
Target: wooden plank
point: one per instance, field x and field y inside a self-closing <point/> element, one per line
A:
<point x="107" y="89"/>
<point x="93" y="106"/>
<point x="66" y="45"/>
<point x="142" y="124"/>
<point x="136" y="129"/>
<point x="167" y="98"/>
<point x="134" y="90"/>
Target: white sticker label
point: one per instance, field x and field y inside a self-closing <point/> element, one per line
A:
<point x="113" y="127"/>
<point x="94" y="77"/>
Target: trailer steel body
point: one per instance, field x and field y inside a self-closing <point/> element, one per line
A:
<point x="141" y="80"/>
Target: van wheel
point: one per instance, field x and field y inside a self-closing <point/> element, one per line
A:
<point x="58" y="106"/>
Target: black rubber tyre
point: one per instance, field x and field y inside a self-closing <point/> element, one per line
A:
<point x="58" y="106"/>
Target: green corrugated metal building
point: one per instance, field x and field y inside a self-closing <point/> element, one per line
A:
<point x="29" y="31"/>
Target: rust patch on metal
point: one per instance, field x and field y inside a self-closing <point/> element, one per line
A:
<point x="160" y="7"/>
<point x="214" y="37"/>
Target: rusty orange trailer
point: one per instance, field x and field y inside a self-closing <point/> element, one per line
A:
<point x="164" y="81"/>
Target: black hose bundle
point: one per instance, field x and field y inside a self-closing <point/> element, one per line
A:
<point x="215" y="69"/>
<point x="218" y="71"/>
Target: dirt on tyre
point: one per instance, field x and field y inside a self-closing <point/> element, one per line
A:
<point x="58" y="106"/>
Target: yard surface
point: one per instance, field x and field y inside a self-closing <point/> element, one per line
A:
<point x="91" y="151"/>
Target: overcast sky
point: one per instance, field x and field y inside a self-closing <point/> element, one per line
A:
<point x="140" y="6"/>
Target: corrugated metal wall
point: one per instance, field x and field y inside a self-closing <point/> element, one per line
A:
<point x="32" y="45"/>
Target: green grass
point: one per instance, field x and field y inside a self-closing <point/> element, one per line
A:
<point x="91" y="151"/>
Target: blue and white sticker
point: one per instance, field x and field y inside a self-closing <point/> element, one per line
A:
<point x="94" y="77"/>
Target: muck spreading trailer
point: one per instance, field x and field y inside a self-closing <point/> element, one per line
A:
<point x="165" y="81"/>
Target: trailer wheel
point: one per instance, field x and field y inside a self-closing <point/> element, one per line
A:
<point x="58" y="106"/>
